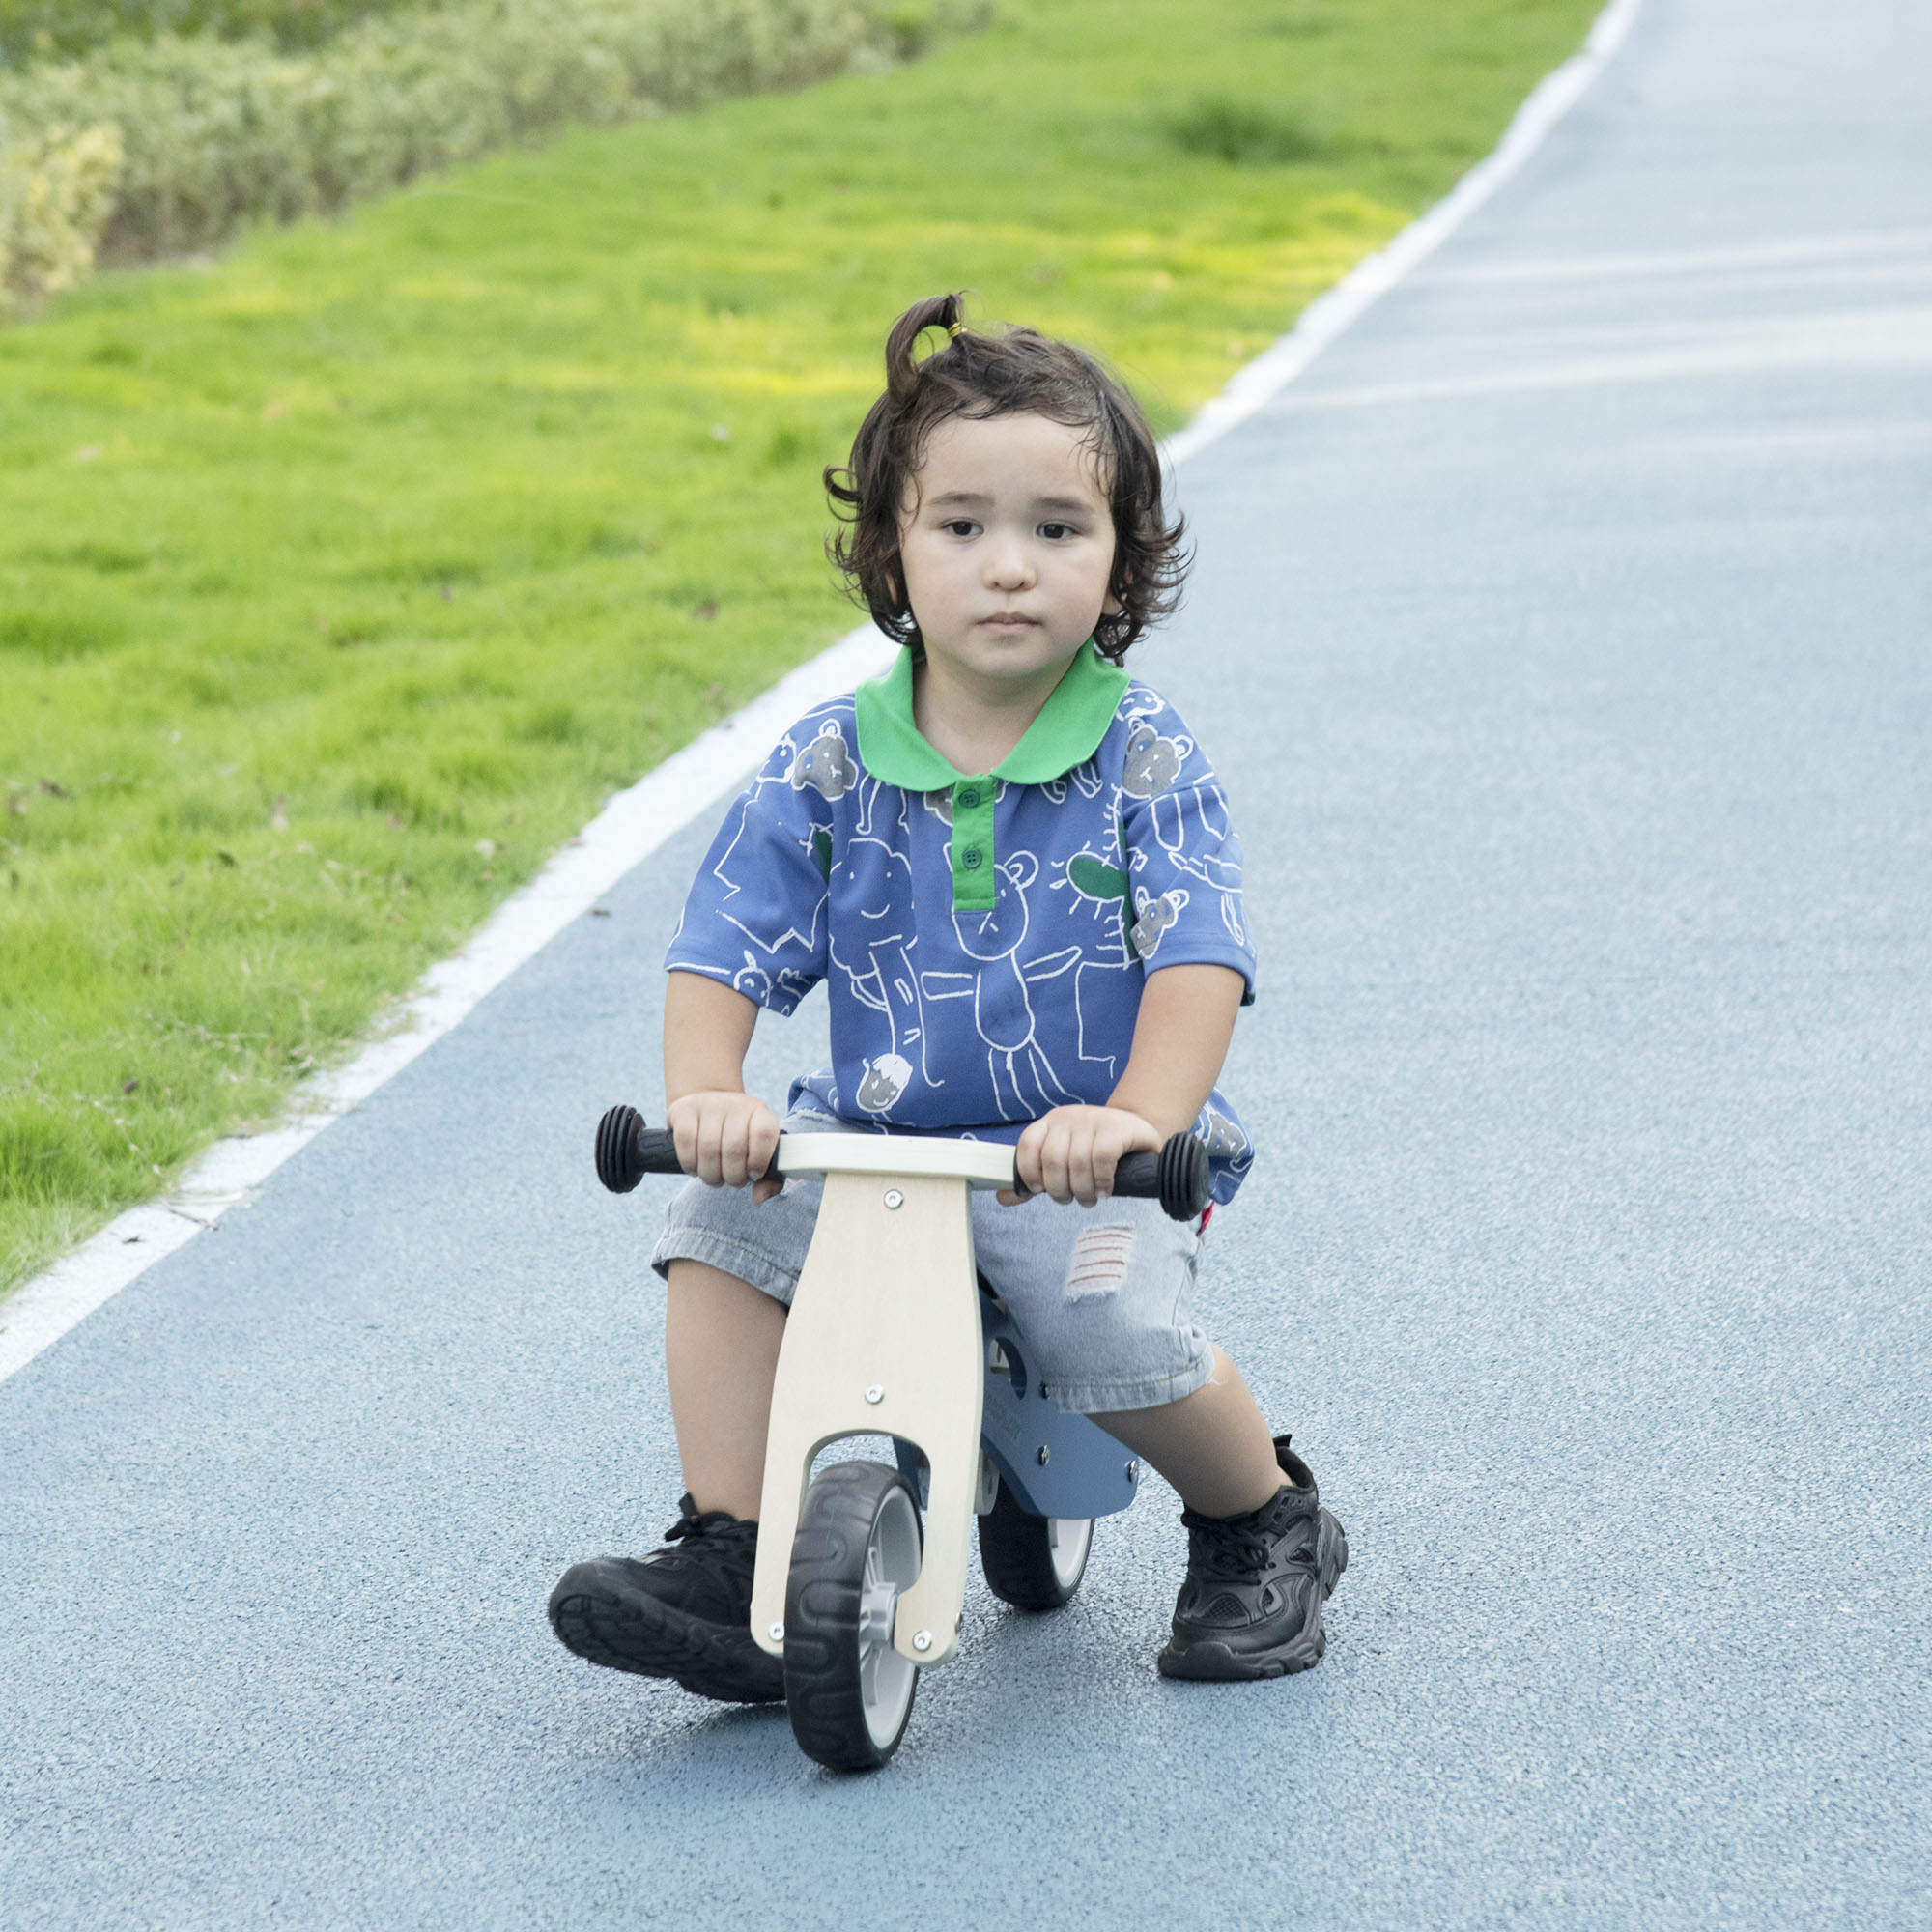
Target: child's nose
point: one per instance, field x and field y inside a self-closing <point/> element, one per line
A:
<point x="1009" y="567"/>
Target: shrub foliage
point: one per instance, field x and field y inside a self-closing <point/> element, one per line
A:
<point x="144" y="148"/>
<point x="32" y="30"/>
<point x="56" y="190"/>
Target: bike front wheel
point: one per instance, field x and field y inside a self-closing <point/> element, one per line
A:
<point x="858" y="1547"/>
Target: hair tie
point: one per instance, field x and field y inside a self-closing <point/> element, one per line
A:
<point x="956" y="329"/>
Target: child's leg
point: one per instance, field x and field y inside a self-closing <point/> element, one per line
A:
<point x="1101" y="1298"/>
<point x="1213" y="1445"/>
<point x="1262" y="1555"/>
<point x="683" y="1611"/>
<point x="721" y="1338"/>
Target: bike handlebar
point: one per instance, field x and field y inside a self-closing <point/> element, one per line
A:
<point x="1177" y="1176"/>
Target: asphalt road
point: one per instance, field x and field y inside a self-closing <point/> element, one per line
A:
<point x="1563" y="640"/>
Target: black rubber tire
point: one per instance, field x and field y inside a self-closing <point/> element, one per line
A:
<point x="825" y="1690"/>
<point x="1017" y="1555"/>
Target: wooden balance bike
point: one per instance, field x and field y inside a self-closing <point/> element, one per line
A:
<point x="861" y="1574"/>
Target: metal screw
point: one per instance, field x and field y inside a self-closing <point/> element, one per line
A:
<point x="893" y="1198"/>
<point x="922" y="1641"/>
<point x="777" y="1632"/>
<point x="1044" y="1453"/>
<point x="876" y="1392"/>
<point x="1134" y="1470"/>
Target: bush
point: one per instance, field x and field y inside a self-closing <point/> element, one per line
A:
<point x="32" y="30"/>
<point x="212" y="134"/>
<point x="56" y="190"/>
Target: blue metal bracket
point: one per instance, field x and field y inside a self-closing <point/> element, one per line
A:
<point x="1054" y="1463"/>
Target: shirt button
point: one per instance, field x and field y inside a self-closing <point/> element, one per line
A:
<point x="970" y="857"/>
<point x="968" y="797"/>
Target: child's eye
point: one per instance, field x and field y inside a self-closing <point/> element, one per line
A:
<point x="960" y="526"/>
<point x="1056" y="532"/>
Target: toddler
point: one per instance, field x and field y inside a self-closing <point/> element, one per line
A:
<point x="1015" y="869"/>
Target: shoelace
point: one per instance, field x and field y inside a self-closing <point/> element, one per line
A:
<point x="738" y="1552"/>
<point x="1217" y="1546"/>
<point x="691" y="1524"/>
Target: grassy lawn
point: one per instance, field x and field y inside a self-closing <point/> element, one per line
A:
<point x="341" y="579"/>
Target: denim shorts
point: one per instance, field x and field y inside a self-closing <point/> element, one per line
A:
<point x="1101" y="1294"/>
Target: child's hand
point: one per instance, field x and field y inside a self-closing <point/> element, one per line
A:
<point x="1070" y="1154"/>
<point x="725" y="1139"/>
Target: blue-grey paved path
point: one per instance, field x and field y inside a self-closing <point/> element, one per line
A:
<point x="1564" y="640"/>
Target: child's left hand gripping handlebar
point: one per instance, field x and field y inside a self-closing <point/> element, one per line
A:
<point x="1177" y="1176"/>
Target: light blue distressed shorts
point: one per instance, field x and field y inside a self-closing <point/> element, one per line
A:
<point x="1101" y="1294"/>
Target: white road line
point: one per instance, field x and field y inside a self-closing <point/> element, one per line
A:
<point x="1879" y="250"/>
<point x="635" y="822"/>
<point x="1875" y="340"/>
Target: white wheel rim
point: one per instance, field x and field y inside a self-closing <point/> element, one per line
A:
<point x="892" y="1565"/>
<point x="1067" y="1542"/>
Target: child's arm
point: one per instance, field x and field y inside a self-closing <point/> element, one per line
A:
<point x="723" y="1134"/>
<point x="1181" y="1039"/>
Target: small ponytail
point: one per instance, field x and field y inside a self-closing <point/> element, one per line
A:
<point x="902" y="364"/>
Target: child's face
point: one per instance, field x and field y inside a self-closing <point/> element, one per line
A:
<point x="1007" y="549"/>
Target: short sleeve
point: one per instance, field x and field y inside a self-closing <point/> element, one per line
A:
<point x="755" y="915"/>
<point x="1183" y="855"/>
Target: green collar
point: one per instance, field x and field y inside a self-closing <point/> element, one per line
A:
<point x="1067" y="731"/>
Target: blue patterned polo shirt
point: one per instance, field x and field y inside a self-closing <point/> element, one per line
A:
<point x="983" y="938"/>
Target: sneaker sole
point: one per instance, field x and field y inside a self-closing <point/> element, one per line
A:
<point x="622" y="1629"/>
<point x="1207" y="1661"/>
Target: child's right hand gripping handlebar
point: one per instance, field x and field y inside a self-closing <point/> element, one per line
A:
<point x="1177" y="1176"/>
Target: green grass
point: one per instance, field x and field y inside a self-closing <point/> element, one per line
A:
<point x="343" y="578"/>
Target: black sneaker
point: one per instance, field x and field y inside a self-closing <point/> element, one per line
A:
<point x="1251" y="1606"/>
<point x="683" y="1612"/>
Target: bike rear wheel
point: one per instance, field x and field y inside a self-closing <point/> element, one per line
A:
<point x="1033" y="1562"/>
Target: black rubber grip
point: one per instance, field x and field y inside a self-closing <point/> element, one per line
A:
<point x="1177" y="1176"/>
<point x="627" y="1149"/>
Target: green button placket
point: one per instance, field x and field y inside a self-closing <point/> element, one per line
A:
<point x="1069" y="728"/>
<point x="974" y="861"/>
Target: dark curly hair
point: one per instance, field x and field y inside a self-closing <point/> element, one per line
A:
<point x="1015" y="371"/>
